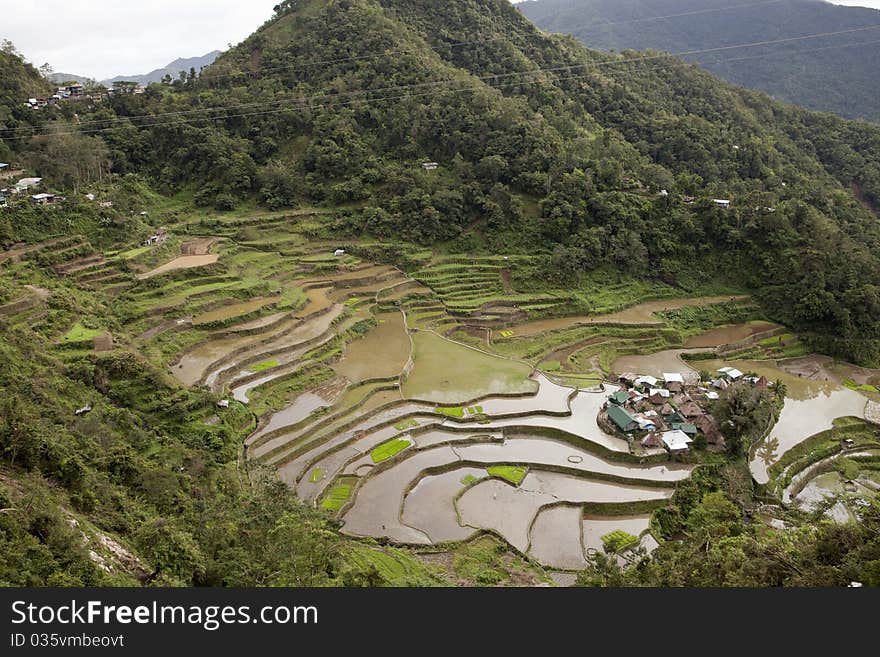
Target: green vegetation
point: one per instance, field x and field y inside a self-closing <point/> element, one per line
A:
<point x="467" y="480"/>
<point x="386" y="566"/>
<point x="861" y="387"/>
<point x="487" y="561"/>
<point x="511" y="473"/>
<point x="820" y="446"/>
<point x="831" y="80"/>
<point x="451" y="411"/>
<point x="618" y="540"/>
<point x="389" y="449"/>
<point x="337" y="496"/>
<point x="79" y="333"/>
<point x="265" y="365"/>
<point x="546" y="202"/>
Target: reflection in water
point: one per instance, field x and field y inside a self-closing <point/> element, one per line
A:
<point x="767" y="452"/>
<point x="811" y="406"/>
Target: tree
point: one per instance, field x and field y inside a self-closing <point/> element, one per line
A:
<point x="67" y="159"/>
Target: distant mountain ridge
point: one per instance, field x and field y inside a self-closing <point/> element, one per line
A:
<point x="173" y="69"/>
<point x="836" y="73"/>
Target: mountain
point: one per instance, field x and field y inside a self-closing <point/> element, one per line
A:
<point x="836" y="73"/>
<point x="173" y="69"/>
<point x="19" y="82"/>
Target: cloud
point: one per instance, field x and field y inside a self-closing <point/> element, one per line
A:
<point x="103" y="38"/>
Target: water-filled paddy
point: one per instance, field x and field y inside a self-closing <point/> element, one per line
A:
<point x="810" y="407"/>
<point x="509" y="510"/>
<point x="449" y="372"/>
<point x="819" y="489"/>
<point x="382" y="352"/>
<point x="655" y="364"/>
<point x="728" y="334"/>
<point x="556" y="537"/>
<point x="429" y="506"/>
<point x="377" y="507"/>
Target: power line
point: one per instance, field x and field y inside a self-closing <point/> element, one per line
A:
<point x="610" y="62"/>
<point x="684" y="13"/>
<point x="456" y="44"/>
<point x="294" y="103"/>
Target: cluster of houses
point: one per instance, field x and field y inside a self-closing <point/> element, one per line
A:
<point x="26" y="185"/>
<point x="670" y="412"/>
<point x="30" y="186"/>
<point x="75" y="91"/>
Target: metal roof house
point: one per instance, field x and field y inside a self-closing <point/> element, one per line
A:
<point x="27" y="183"/>
<point x="731" y="372"/>
<point x="676" y="440"/>
<point x="621" y="418"/>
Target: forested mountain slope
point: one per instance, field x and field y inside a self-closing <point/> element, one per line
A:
<point x="836" y="73"/>
<point x="18" y="82"/>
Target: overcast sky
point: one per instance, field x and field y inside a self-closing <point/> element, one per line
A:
<point x="104" y="38"/>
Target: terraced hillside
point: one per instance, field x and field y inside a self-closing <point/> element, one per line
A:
<point x="426" y="408"/>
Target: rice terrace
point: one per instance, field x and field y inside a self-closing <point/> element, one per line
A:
<point x="436" y="407"/>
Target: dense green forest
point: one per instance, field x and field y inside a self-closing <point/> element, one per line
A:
<point x="835" y="73"/>
<point x="544" y="148"/>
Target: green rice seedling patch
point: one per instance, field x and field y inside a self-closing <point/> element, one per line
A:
<point x="512" y="473"/>
<point x="133" y="253"/>
<point x="316" y="475"/>
<point x="393" y="566"/>
<point x="79" y="333"/>
<point x="389" y="449"/>
<point x="338" y="495"/>
<point x="467" y="480"/>
<point x="265" y="365"/>
<point x="618" y="540"/>
<point x="860" y="387"/>
<point x="403" y="425"/>
<point x="451" y="411"/>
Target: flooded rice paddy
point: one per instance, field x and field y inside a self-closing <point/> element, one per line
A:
<point x="382" y="352"/>
<point x="655" y="364"/>
<point x="811" y="406"/>
<point x="449" y="372"/>
<point x="728" y="334"/>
